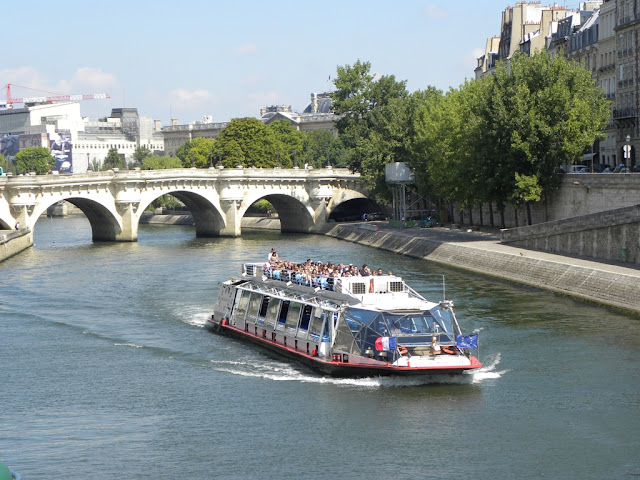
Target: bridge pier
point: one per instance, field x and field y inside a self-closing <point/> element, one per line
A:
<point x="233" y="219"/>
<point x="129" y="232"/>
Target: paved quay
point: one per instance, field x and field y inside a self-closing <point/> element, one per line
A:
<point x="613" y="285"/>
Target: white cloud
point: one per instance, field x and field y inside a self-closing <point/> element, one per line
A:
<point x="434" y="11"/>
<point x="245" y="49"/>
<point x="191" y="96"/>
<point x="88" y="80"/>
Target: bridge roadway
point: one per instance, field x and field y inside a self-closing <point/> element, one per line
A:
<point x="113" y="201"/>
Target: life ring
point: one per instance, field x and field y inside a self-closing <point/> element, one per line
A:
<point x="402" y="350"/>
<point x="449" y="350"/>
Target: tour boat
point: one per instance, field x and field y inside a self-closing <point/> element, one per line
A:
<point x="357" y="326"/>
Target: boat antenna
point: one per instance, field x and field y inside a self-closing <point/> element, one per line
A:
<point x="444" y="295"/>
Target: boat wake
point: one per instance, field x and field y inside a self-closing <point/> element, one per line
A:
<point x="488" y="370"/>
<point x="284" y="372"/>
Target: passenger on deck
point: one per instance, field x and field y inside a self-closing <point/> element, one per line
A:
<point x="273" y="258"/>
<point x="435" y="347"/>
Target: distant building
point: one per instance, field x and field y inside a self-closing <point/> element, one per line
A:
<point x="316" y="116"/>
<point x="603" y="36"/>
<point x="78" y="142"/>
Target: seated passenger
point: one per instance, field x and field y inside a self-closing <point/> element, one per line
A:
<point x="435" y="347"/>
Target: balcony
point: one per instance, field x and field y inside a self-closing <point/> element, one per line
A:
<point x="626" y="113"/>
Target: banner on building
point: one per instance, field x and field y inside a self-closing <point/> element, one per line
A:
<point x="61" y="149"/>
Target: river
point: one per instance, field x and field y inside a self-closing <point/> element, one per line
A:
<point x="106" y="371"/>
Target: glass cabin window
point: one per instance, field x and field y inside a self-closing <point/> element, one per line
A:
<point x="263" y="307"/>
<point x="306" y="317"/>
<point x="254" y="305"/>
<point x="272" y="311"/>
<point x="293" y="315"/>
<point x="241" y="307"/>
<point x="282" y="318"/>
<point x="316" y="324"/>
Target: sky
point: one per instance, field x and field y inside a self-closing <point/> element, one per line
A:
<point x="228" y="59"/>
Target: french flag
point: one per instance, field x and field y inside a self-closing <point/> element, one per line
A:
<point x="386" y="344"/>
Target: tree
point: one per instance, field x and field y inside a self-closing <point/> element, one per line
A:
<point x="4" y="163"/>
<point x="248" y="141"/>
<point x="34" y="159"/>
<point x="154" y="162"/>
<point x="113" y="160"/>
<point x="288" y="140"/>
<point x="140" y="154"/>
<point x="198" y="152"/>
<point x="321" y="147"/>
<point x="373" y="124"/>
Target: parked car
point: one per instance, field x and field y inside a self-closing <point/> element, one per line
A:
<point x="635" y="168"/>
<point x="578" y="169"/>
<point x="620" y="169"/>
<point x="375" y="216"/>
<point x="601" y="167"/>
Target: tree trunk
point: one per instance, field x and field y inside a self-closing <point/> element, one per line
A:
<point x="502" y="218"/>
<point x="491" y="222"/>
<point x="481" y="218"/>
<point x="529" y="213"/>
<point x="470" y="216"/>
<point x="515" y="213"/>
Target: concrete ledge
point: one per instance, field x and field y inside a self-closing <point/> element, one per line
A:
<point x="612" y="235"/>
<point x="261" y="223"/>
<point x="14" y="241"/>
<point x="598" y="283"/>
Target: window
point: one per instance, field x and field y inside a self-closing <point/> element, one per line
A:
<point x="243" y="303"/>
<point x="306" y="317"/>
<point x="293" y="315"/>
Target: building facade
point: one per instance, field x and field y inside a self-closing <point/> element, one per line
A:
<point x="77" y="143"/>
<point x="316" y="116"/>
<point x="604" y="36"/>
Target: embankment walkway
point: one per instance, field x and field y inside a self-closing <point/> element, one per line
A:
<point x="614" y="285"/>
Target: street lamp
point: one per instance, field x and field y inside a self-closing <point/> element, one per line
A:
<point x="239" y="161"/>
<point x="627" y="151"/>
<point x="220" y="166"/>
<point x="210" y="158"/>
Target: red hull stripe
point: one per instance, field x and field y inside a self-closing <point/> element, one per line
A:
<point x="310" y="358"/>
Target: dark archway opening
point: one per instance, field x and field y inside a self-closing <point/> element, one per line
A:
<point x="353" y="210"/>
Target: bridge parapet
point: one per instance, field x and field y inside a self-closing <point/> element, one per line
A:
<point x="218" y="198"/>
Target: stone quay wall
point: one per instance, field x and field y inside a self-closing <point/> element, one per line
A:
<point x="579" y="194"/>
<point x="14" y="241"/>
<point x="594" y="282"/>
<point x="611" y="235"/>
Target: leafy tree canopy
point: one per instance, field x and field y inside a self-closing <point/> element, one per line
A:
<point x="34" y="159"/>
<point x="248" y="141"/>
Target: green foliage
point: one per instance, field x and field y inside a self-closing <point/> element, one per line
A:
<point x="261" y="206"/>
<point x="248" y="141"/>
<point x="199" y="153"/>
<point x="374" y="123"/>
<point x="140" y="154"/>
<point x="155" y="162"/>
<point x="4" y="163"/>
<point x="503" y="137"/>
<point x="288" y="140"/>
<point x="113" y="160"/>
<point x="320" y="148"/>
<point x="34" y="159"/>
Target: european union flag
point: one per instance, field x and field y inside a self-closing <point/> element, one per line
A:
<point x="467" y="341"/>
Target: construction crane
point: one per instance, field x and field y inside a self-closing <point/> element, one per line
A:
<point x="29" y="101"/>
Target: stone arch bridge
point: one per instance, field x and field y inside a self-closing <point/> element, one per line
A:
<point x="217" y="198"/>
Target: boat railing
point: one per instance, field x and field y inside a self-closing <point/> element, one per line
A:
<point x="346" y="285"/>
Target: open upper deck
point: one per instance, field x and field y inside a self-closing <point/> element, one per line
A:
<point x="386" y="292"/>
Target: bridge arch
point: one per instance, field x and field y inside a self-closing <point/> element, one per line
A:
<point x="105" y="224"/>
<point x="294" y="216"/>
<point x="208" y="219"/>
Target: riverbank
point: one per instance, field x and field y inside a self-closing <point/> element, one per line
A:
<point x="481" y="252"/>
<point x="262" y="223"/>
<point x="14" y="241"/>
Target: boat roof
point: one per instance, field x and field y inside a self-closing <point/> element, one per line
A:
<point x="382" y="292"/>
